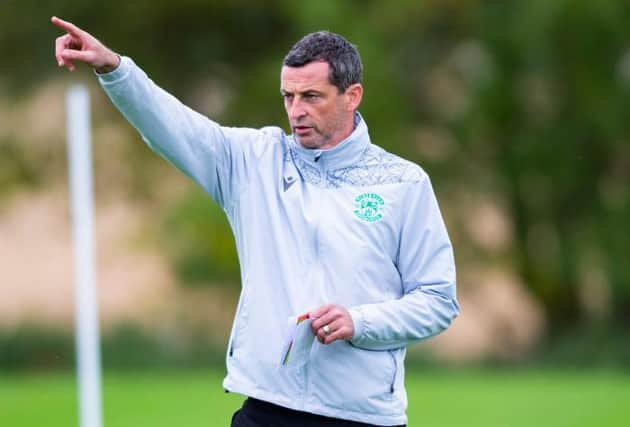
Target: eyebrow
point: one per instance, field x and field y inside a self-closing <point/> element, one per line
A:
<point x="306" y="92"/>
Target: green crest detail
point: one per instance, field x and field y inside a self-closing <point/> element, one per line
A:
<point x="369" y="207"/>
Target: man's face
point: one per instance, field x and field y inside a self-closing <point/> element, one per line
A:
<point x="320" y="117"/>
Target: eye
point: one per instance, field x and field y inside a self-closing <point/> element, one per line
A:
<point x="287" y="96"/>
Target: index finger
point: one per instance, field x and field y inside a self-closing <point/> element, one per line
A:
<point x="65" y="25"/>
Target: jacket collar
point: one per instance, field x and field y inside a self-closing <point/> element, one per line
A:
<point x="344" y="154"/>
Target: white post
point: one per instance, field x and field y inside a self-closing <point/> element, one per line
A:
<point x="86" y="308"/>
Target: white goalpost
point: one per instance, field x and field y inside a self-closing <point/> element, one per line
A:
<point x="86" y="307"/>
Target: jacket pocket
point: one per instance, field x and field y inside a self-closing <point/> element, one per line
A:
<point x="240" y="321"/>
<point x="353" y="379"/>
<point x="392" y="355"/>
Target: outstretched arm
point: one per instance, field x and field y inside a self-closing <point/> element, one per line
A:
<point x="78" y="45"/>
<point x="212" y="155"/>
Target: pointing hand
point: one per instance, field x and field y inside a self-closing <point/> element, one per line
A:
<point x="78" y="45"/>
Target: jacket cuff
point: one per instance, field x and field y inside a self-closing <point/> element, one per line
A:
<point x="359" y="322"/>
<point x="117" y="74"/>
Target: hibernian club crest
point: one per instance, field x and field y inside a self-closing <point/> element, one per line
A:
<point x="369" y="207"/>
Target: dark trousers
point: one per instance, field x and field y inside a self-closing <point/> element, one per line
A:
<point x="256" y="413"/>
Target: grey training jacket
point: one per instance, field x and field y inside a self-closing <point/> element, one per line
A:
<point x="353" y="225"/>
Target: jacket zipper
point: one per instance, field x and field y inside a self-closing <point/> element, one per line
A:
<point x="317" y="190"/>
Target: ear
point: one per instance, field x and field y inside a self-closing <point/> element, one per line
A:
<point x="353" y="95"/>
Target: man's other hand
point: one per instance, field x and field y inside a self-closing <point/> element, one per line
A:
<point x="331" y="323"/>
<point x="78" y="45"/>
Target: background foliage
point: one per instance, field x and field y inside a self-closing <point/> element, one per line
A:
<point x="522" y="103"/>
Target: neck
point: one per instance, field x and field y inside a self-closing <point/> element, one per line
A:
<point x="349" y="126"/>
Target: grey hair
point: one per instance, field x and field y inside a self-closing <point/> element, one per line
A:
<point x="342" y="57"/>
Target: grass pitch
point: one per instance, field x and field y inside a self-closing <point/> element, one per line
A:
<point x="444" y="399"/>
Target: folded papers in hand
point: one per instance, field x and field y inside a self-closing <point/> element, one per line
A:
<point x="298" y="342"/>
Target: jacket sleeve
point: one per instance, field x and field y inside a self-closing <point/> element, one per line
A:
<point x="212" y="155"/>
<point x="427" y="270"/>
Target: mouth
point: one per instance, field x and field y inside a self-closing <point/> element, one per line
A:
<point x="301" y="130"/>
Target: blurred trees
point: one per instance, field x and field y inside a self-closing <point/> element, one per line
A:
<point x="522" y="104"/>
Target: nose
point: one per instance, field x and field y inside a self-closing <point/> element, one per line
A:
<point x="296" y="111"/>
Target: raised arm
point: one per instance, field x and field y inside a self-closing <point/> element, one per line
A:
<point x="214" y="156"/>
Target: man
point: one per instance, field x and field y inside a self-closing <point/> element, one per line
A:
<point x="325" y="222"/>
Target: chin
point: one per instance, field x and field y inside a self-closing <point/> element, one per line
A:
<point x="308" y="143"/>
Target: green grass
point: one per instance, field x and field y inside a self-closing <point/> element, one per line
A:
<point x="445" y="398"/>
